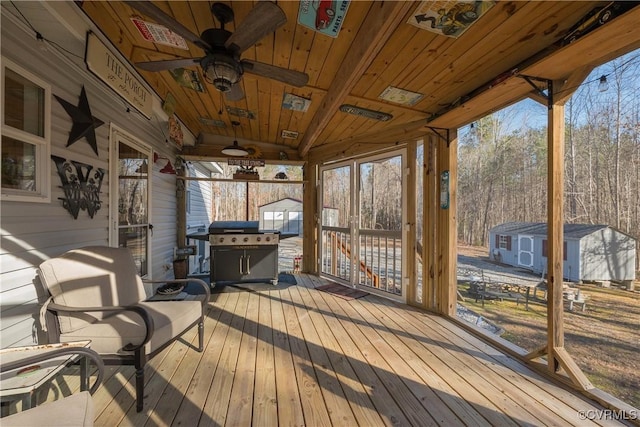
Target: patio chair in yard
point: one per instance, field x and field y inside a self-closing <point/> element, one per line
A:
<point x="74" y="410"/>
<point x="96" y="294"/>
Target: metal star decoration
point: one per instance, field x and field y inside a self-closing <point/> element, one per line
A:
<point x="84" y="124"/>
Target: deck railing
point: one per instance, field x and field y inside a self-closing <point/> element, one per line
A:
<point x="380" y="257"/>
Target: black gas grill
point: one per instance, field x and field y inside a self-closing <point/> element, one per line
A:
<point x="240" y="252"/>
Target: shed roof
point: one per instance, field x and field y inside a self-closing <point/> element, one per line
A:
<point x="280" y="200"/>
<point x="576" y="231"/>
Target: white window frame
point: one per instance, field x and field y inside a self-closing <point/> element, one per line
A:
<point x="295" y="216"/>
<point x="502" y="241"/>
<point x="41" y="143"/>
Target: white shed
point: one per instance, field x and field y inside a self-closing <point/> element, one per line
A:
<point x="284" y="215"/>
<point x="592" y="252"/>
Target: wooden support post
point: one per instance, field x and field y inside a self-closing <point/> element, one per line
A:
<point x="411" y="236"/>
<point x="571" y="368"/>
<point x="430" y="224"/>
<point x="181" y="208"/>
<point x="557" y="355"/>
<point x="310" y="214"/>
<point x="447" y="228"/>
<point x="555" y="237"/>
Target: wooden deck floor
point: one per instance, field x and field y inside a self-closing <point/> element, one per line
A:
<point x="298" y="356"/>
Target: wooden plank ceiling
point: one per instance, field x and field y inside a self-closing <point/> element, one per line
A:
<point x="376" y="48"/>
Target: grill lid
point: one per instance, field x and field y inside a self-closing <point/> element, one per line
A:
<point x="223" y="227"/>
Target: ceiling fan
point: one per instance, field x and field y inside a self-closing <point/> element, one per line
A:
<point x="222" y="65"/>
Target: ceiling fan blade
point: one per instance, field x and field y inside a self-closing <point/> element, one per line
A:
<point x="153" y="11"/>
<point x="292" y="77"/>
<point x="168" y="64"/>
<point x="236" y="93"/>
<point x="264" y="18"/>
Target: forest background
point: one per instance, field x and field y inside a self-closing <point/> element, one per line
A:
<point x="502" y="159"/>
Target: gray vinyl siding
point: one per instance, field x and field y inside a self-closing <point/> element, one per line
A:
<point x="33" y="232"/>
<point x="199" y="217"/>
<point x="572" y="266"/>
<point x="201" y="200"/>
<point x="607" y="261"/>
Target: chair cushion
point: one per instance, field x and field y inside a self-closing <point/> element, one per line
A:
<point x="92" y="276"/>
<point x="110" y="334"/>
<point x="73" y="411"/>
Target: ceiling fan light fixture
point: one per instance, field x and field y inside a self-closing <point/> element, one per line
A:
<point x="235" y="150"/>
<point x="222" y="71"/>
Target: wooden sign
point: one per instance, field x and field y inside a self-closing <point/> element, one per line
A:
<point x="449" y="17"/>
<point x="245" y="162"/>
<point x="104" y="64"/>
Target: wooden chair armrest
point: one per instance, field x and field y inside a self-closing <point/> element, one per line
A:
<point x="148" y="320"/>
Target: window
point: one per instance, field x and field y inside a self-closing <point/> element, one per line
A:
<point x="545" y="249"/>
<point x="26" y="163"/>
<point x="503" y="242"/>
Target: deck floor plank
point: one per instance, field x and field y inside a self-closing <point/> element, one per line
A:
<point x="370" y="344"/>
<point x="296" y="356"/>
<point x="219" y="394"/>
<point x="536" y="399"/>
<point x="474" y="371"/>
<point x="356" y="394"/>
<point x="381" y="398"/>
<point x="121" y="409"/>
<point x="327" y="373"/>
<point x="409" y="366"/>
<point x="290" y="412"/>
<point x="313" y="407"/>
<point x="265" y="406"/>
<point x="220" y="313"/>
<point x="240" y="410"/>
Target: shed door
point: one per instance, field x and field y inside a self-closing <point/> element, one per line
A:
<point x="525" y="251"/>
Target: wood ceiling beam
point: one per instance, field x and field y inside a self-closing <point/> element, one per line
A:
<point x="390" y="133"/>
<point x="567" y="64"/>
<point x="600" y="46"/>
<point x="571" y="83"/>
<point x="382" y="20"/>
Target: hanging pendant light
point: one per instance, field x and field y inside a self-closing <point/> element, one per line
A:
<point x="603" y="85"/>
<point x="168" y="168"/>
<point x="234" y="150"/>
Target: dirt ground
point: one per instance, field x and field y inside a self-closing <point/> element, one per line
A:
<point x="604" y="340"/>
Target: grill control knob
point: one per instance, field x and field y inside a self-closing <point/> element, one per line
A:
<point x="221" y="239"/>
<point x="268" y="238"/>
<point x="258" y="238"/>
<point x="233" y="239"/>
<point x="246" y="239"/>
